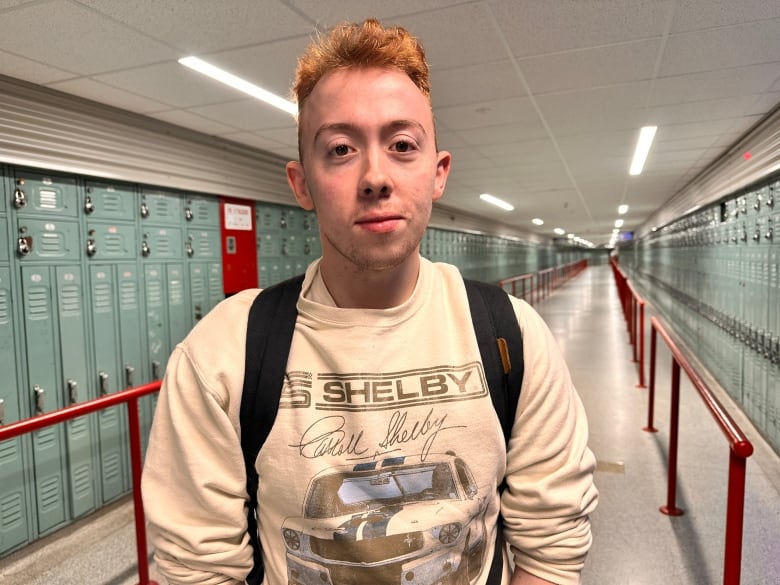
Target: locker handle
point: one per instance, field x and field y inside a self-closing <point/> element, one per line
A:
<point x="20" y="199"/>
<point x="24" y="245"/>
<point x="103" y="382"/>
<point x="156" y="370"/>
<point x="2" y="411"/>
<point x="145" y="250"/>
<point x="89" y="207"/>
<point x="190" y="250"/>
<point x="188" y="215"/>
<point x="91" y="247"/>
<point x="73" y="390"/>
<point x="129" y="376"/>
<point x="40" y="395"/>
<point x="144" y="210"/>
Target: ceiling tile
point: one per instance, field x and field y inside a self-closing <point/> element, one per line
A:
<point x="257" y="140"/>
<point x="327" y="14"/>
<point x="171" y="84"/>
<point x="100" y="92"/>
<point x="527" y="24"/>
<point x="693" y="15"/>
<point x="601" y="66"/>
<point x="193" y="121"/>
<point x="248" y="114"/>
<point x="72" y="37"/>
<point x="229" y="24"/>
<point x="718" y="83"/>
<point x="478" y="115"/>
<point x="32" y="71"/>
<point x="486" y="82"/>
<point x="737" y="46"/>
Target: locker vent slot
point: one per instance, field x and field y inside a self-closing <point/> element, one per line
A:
<point x="112" y="469"/>
<point x="50" y="494"/>
<point x="48" y="199"/>
<point x="38" y="303"/>
<point x="114" y="243"/>
<point x="176" y="292"/>
<point x="11" y="509"/>
<point x="45" y="439"/>
<point x="79" y="428"/>
<point x="163" y="208"/>
<point x="103" y="297"/>
<point x="4" y="307"/>
<point x="70" y="301"/>
<point x="164" y="245"/>
<point x="52" y="244"/>
<point x="8" y="451"/>
<point x="204" y="248"/>
<point x="112" y="203"/>
<point x="108" y="418"/>
<point x="202" y="214"/>
<point x="197" y="287"/>
<point x="128" y="295"/>
<point x="82" y="481"/>
<point x="154" y="293"/>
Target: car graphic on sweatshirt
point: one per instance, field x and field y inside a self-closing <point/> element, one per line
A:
<point x="402" y="520"/>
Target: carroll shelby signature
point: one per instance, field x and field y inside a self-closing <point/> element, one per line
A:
<point x="327" y="436"/>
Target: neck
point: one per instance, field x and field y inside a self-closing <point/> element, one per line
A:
<point x="371" y="289"/>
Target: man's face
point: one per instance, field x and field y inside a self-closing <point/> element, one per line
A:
<point x="370" y="167"/>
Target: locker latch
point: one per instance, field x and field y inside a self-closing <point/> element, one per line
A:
<point x="40" y="394"/>
<point x="89" y="207"/>
<point x="73" y="390"/>
<point x="91" y="247"/>
<point x="24" y="245"/>
<point x="129" y="376"/>
<point x="144" y="210"/>
<point x="769" y="234"/>
<point x="103" y="383"/>
<point x="2" y="411"/>
<point x="188" y="215"/>
<point x="190" y="249"/>
<point x="20" y="200"/>
<point x="155" y="370"/>
<point x="145" y="250"/>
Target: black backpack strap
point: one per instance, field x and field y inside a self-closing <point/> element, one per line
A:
<point x="501" y="349"/>
<point x="269" y="334"/>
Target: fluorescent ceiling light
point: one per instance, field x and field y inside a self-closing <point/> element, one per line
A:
<point x="622" y="209"/>
<point x="559" y="231"/>
<point x="618" y="223"/>
<point x="497" y="202"/>
<point x="537" y="221"/>
<point x="240" y="84"/>
<point x="646" y="136"/>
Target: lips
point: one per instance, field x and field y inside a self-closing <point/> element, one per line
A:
<point x="380" y="223"/>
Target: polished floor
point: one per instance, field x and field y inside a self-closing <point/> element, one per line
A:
<point x="634" y="544"/>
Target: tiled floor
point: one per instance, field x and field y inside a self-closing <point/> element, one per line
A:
<point x="634" y="544"/>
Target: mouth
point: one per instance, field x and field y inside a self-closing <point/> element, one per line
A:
<point x="379" y="223"/>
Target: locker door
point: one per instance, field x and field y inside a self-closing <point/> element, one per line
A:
<point x="44" y="394"/>
<point x="156" y="319"/>
<point x="202" y="211"/>
<point x="198" y="290"/>
<point x="106" y="336"/>
<point x="109" y="201"/>
<point x="131" y="325"/>
<point x="38" y="193"/>
<point x="47" y="239"/>
<point x="216" y="293"/>
<point x="14" y="530"/>
<point x="75" y="377"/>
<point x="159" y="207"/>
<point x="178" y="307"/>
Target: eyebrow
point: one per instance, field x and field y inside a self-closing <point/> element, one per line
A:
<point x="352" y="128"/>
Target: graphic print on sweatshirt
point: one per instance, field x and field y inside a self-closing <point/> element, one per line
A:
<point x="398" y="509"/>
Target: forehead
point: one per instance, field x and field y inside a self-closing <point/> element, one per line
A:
<point x="364" y="97"/>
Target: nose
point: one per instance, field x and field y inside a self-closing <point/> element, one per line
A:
<point x="375" y="180"/>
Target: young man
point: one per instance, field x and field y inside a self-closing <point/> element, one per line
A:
<point x="385" y="457"/>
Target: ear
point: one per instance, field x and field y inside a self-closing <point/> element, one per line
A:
<point x="442" y="172"/>
<point x="296" y="178"/>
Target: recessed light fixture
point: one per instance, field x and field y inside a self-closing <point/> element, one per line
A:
<point x="236" y="82"/>
<point x="559" y="231"/>
<point x="497" y="202"/>
<point x="646" y="136"/>
<point x="622" y="209"/>
<point x="618" y="223"/>
<point x="537" y="221"/>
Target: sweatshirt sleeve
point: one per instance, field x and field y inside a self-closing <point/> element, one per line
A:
<point x="550" y="491"/>
<point x="194" y="481"/>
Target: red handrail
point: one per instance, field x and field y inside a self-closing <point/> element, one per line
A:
<point x="739" y="446"/>
<point x="129" y="396"/>
<point x="634" y="312"/>
<point x="541" y="284"/>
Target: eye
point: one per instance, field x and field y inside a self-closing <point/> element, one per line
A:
<point x="340" y="150"/>
<point x="402" y="146"/>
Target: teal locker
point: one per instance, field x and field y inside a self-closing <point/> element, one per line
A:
<point x="37" y="193"/>
<point x="216" y="292"/>
<point x="14" y="529"/>
<point x="43" y="395"/>
<point x="111" y="240"/>
<point x="269" y="217"/>
<point x="202" y="210"/>
<point x="178" y="305"/>
<point x="156" y="319"/>
<point x="50" y="239"/>
<point x="158" y="207"/>
<point x="269" y="245"/>
<point x="79" y="436"/>
<point x="5" y="254"/>
<point x="131" y="325"/>
<point x="199" y="290"/>
<point x="162" y="243"/>
<point x="203" y="244"/>
<point x="109" y="201"/>
<point x="108" y="379"/>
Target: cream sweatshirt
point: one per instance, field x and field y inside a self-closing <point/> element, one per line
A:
<point x="384" y="459"/>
